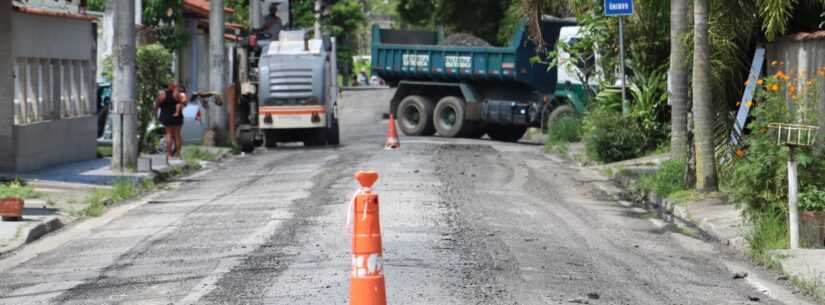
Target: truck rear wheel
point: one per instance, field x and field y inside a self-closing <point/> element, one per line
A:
<point x="334" y="135"/>
<point x="246" y="141"/>
<point x="506" y="133"/>
<point x="415" y="116"/>
<point x="449" y="120"/>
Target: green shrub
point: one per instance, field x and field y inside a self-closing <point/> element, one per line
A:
<point x="812" y="200"/>
<point x="758" y="177"/>
<point x="610" y="137"/>
<point x="96" y="202"/>
<point x="648" y="106"/>
<point x="669" y="179"/>
<point x="153" y="64"/>
<point x="192" y="155"/>
<point x="769" y="231"/>
<point x="18" y="189"/>
<point x="565" y="130"/>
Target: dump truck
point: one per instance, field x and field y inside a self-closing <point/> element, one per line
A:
<point x="466" y="91"/>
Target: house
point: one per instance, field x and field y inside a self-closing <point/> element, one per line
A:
<point x="47" y="86"/>
<point x="191" y="63"/>
<point x="802" y="56"/>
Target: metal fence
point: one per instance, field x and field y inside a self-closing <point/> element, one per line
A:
<point x="50" y="89"/>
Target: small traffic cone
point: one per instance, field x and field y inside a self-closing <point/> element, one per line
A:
<point x="367" y="277"/>
<point x="392" y="135"/>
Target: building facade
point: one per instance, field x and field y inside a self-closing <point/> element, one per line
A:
<point x="47" y="96"/>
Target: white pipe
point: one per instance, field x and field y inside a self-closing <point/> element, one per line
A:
<point x="793" y="196"/>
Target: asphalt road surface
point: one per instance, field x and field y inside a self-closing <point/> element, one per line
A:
<point x="464" y="222"/>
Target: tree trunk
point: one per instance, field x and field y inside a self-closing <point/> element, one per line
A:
<point x="217" y="75"/>
<point x="703" y="110"/>
<point x="317" y="26"/>
<point x="678" y="79"/>
<point x="124" y="88"/>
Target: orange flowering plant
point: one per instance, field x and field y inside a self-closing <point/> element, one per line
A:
<point x="758" y="175"/>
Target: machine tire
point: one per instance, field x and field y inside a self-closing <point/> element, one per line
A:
<point x="453" y="109"/>
<point x="334" y="135"/>
<point x="556" y="114"/>
<point x="270" y="139"/>
<point x="246" y="141"/>
<point x="316" y="138"/>
<point x="506" y="133"/>
<point x="415" y="116"/>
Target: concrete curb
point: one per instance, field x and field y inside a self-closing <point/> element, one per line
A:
<point x="672" y="211"/>
<point x="33" y="233"/>
<point x="718" y="221"/>
<point x="44" y="226"/>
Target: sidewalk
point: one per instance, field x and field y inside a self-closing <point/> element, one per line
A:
<point x="720" y="220"/>
<point x="64" y="192"/>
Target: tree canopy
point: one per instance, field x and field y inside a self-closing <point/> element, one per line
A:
<point x="483" y="20"/>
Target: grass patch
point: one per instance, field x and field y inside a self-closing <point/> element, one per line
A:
<point x="96" y="202"/>
<point x="192" y="155"/>
<point x="122" y="190"/>
<point x="648" y="215"/>
<point x="688" y="231"/>
<point x="769" y="232"/>
<point x="104" y="151"/>
<point x="684" y="196"/>
<point x="566" y="129"/>
<point x="814" y="288"/>
<point x="18" y="189"/>
<point x="669" y="179"/>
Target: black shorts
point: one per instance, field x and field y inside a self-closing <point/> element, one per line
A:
<point x="170" y="120"/>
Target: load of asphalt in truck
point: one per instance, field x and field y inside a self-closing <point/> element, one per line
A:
<point x="466" y="91"/>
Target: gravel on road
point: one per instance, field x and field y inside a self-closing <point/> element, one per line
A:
<point x="463" y="222"/>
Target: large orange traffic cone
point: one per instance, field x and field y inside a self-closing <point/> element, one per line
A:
<point x="392" y="135"/>
<point x="367" y="277"/>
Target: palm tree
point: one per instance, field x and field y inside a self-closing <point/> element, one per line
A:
<point x="678" y="79"/>
<point x="703" y="110"/>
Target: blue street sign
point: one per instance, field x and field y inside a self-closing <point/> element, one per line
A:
<point x="618" y="7"/>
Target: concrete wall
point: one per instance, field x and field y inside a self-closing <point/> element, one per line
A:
<point x="52" y="37"/>
<point x="799" y="58"/>
<point x="51" y="143"/>
<point x="6" y="90"/>
<point x="38" y="48"/>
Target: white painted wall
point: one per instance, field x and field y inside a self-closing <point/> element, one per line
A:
<point x="52" y="37"/>
<point x="798" y="58"/>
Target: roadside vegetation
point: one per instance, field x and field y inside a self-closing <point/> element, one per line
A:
<point x="756" y="177"/>
<point x="566" y="130"/>
<point x="126" y="189"/>
<point x="18" y="189"/>
<point x="709" y="67"/>
<point x="122" y="190"/>
<point x="193" y="155"/>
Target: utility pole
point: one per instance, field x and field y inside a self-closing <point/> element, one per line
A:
<point x="255" y="14"/>
<point x="318" y="6"/>
<point x="124" y="87"/>
<point x="217" y="74"/>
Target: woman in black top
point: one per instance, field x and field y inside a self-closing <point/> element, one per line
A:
<point x="171" y="103"/>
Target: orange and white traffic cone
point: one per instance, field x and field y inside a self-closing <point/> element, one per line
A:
<point x="367" y="277"/>
<point x="392" y="135"/>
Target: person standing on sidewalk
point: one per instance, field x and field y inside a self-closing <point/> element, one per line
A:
<point x="171" y="102"/>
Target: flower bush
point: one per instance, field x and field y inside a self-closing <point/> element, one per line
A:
<point x="758" y="177"/>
